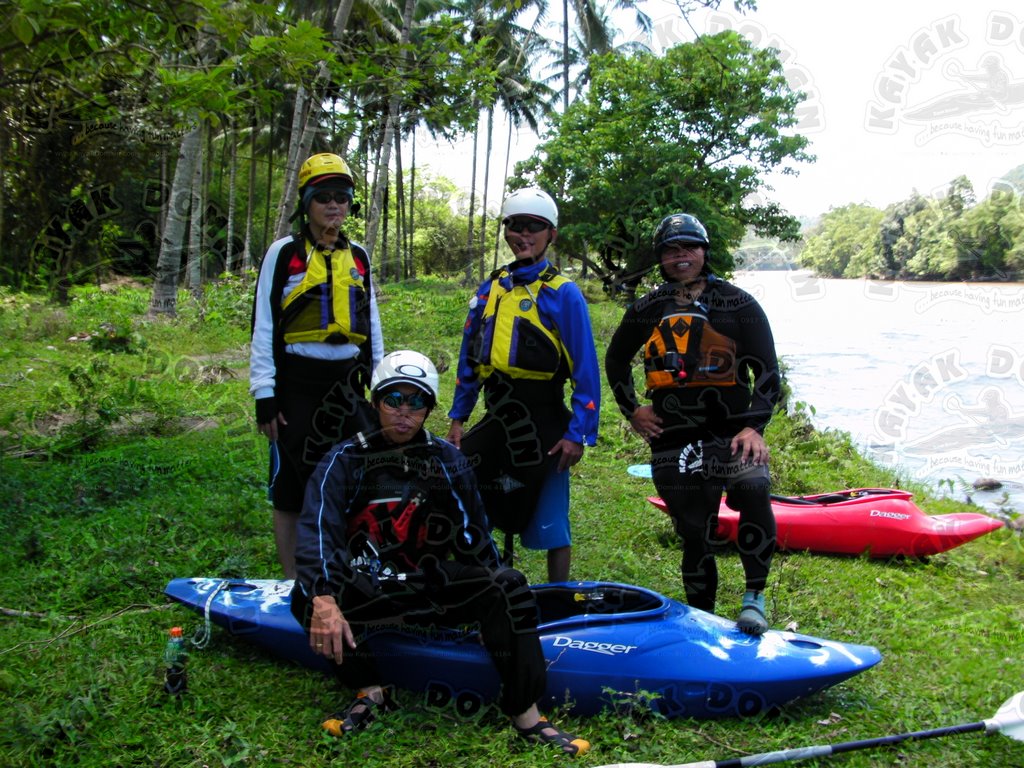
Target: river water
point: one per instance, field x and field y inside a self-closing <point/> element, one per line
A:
<point x="927" y="378"/>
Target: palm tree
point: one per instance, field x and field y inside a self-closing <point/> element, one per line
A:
<point x="388" y="136"/>
<point x="308" y="111"/>
<point x="494" y="29"/>
<point x="595" y="35"/>
<point x="523" y="99"/>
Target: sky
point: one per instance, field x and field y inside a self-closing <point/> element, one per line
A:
<point x="902" y="95"/>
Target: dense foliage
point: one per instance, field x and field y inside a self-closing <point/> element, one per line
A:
<point x="98" y="100"/>
<point x="696" y="129"/>
<point x="154" y="140"/>
<point x="946" y="238"/>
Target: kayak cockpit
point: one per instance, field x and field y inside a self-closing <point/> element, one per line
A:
<point x="565" y="603"/>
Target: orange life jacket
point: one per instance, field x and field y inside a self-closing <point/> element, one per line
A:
<point x="685" y="351"/>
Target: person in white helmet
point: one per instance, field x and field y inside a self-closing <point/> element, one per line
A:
<point x="316" y="336"/>
<point x="527" y="333"/>
<point x="392" y="531"/>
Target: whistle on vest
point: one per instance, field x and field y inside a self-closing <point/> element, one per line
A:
<point x="673" y="363"/>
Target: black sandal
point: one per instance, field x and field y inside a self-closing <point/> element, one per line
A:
<point x="360" y="713"/>
<point x="543" y="732"/>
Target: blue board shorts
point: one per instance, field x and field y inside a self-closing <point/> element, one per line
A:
<point x="549" y="528"/>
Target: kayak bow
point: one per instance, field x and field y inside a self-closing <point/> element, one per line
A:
<point x="881" y="522"/>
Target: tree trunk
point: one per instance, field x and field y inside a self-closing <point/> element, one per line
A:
<point x="389" y="129"/>
<point x="387" y="266"/>
<point x="470" y="240"/>
<point x="487" y="175"/>
<point x="508" y="155"/>
<point x="376" y="194"/>
<point x="302" y="139"/>
<point x="195" y="230"/>
<point x="565" y="57"/>
<point x="230" y="265"/>
<point x="399" y="207"/>
<point x="3" y="184"/>
<point x="291" y="168"/>
<point x="249" y="207"/>
<point x="269" y="191"/>
<point x="411" y="267"/>
<point x="165" y="284"/>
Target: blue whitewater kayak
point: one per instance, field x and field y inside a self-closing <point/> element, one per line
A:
<point x="607" y="646"/>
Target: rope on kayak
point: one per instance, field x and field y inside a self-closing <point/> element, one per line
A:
<point x="202" y="635"/>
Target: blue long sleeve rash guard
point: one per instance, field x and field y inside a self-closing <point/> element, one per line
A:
<point x="564" y="311"/>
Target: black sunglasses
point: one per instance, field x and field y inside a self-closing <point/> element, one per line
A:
<point x="417" y="401"/>
<point x="533" y="226"/>
<point x="338" y="196"/>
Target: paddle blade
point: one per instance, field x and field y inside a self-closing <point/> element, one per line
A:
<point x="1009" y="720"/>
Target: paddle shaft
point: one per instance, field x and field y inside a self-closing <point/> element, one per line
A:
<point x="802" y="753"/>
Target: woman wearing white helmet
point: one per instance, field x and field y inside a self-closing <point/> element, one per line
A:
<point x="528" y="333"/>
<point x="315" y="338"/>
<point x="393" y="529"/>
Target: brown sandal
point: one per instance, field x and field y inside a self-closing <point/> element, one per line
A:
<point x="544" y="732"/>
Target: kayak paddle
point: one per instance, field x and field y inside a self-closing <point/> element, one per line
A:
<point x="1009" y="720"/>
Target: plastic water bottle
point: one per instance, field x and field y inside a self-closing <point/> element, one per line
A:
<point x="176" y="678"/>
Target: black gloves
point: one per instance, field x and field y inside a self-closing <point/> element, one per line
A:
<point x="266" y="410"/>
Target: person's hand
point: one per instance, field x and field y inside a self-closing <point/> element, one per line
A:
<point x="568" y="451"/>
<point x="646" y="422"/>
<point x="270" y="429"/>
<point x="329" y="632"/>
<point x="455" y="433"/>
<point x="749" y="444"/>
<point x="268" y="417"/>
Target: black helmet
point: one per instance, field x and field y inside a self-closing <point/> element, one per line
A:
<point x="679" y="228"/>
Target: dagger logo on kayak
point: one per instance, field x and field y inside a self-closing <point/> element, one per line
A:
<point x="890" y="515"/>
<point x="605" y="649"/>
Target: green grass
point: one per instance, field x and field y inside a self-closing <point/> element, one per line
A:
<point x="132" y="459"/>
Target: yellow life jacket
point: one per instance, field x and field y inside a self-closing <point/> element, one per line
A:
<point x="685" y="351"/>
<point x="326" y="304"/>
<point x="512" y="339"/>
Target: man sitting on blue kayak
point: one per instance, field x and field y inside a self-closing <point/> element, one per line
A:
<point x="393" y="531"/>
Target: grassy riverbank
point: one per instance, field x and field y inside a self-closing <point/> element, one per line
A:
<point x="129" y="457"/>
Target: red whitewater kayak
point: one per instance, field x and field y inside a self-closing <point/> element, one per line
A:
<point x="879" y="522"/>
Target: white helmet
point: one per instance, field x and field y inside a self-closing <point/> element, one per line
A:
<point x="405" y="366"/>
<point x="531" y="201"/>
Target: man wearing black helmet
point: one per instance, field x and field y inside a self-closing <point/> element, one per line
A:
<point x="713" y="380"/>
<point x="316" y="336"/>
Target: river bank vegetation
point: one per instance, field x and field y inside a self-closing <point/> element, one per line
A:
<point x="948" y="236"/>
<point x="951" y="236"/>
<point x="128" y="456"/>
